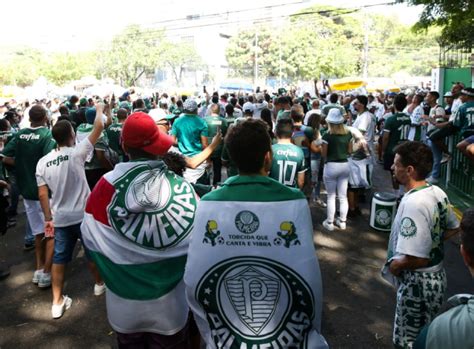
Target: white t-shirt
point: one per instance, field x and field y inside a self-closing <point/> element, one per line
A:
<point x="416" y="118"/>
<point x="379" y="109"/>
<point x="157" y="114"/>
<point x="238" y="113"/>
<point x="365" y="123"/>
<point x="25" y="121"/>
<point x="63" y="172"/>
<point x="438" y="114"/>
<point x="454" y="108"/>
<point x="309" y="113"/>
<point x="419" y="226"/>
<point x="258" y="109"/>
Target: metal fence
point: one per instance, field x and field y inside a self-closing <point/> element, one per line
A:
<point x="455" y="57"/>
<point x="458" y="174"/>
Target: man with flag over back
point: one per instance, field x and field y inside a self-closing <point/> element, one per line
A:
<point x="136" y="228"/>
<point x="243" y="283"/>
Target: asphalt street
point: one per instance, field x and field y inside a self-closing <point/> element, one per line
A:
<point x="358" y="304"/>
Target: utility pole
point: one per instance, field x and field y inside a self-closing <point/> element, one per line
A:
<point x="281" y="73"/>
<point x="255" y="70"/>
<point x="365" y="68"/>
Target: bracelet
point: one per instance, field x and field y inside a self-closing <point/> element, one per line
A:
<point x="48" y="219"/>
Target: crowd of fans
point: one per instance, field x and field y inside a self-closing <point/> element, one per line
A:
<point x="134" y="178"/>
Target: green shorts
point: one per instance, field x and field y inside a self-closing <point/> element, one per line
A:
<point x="419" y="298"/>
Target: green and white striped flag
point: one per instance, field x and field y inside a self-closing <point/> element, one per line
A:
<point x="136" y="227"/>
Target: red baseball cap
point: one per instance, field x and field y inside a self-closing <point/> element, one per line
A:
<point x="140" y="131"/>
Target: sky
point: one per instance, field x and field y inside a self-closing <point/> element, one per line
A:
<point x="52" y="25"/>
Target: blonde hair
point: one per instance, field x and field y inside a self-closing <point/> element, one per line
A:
<point x="337" y="129"/>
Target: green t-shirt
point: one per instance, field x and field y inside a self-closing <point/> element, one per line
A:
<point x="288" y="161"/>
<point x="398" y="126"/>
<point x="230" y="120"/>
<point x="283" y="114"/>
<point x="7" y="170"/>
<point x="253" y="188"/>
<point x="452" y="329"/>
<point x="215" y="123"/>
<point x="188" y="130"/>
<point x="113" y="135"/>
<point x="176" y="111"/>
<point x="337" y="147"/>
<point x="464" y="119"/>
<point x="102" y="144"/>
<point x="28" y="146"/>
<point x="232" y="169"/>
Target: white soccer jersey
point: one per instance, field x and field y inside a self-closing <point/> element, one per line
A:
<point x="418" y="229"/>
<point x="63" y="172"/>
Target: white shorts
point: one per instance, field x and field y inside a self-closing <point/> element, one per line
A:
<point x="192" y="175"/>
<point x="35" y="216"/>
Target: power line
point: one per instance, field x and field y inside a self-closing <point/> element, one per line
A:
<point x="195" y="17"/>
<point x="338" y="11"/>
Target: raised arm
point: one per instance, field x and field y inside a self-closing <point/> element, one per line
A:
<point x="98" y="124"/>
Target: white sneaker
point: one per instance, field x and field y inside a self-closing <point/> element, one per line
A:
<point x="44" y="280"/>
<point x="321" y="203"/>
<point x="99" y="289"/>
<point x="340" y="224"/>
<point x="37" y="276"/>
<point x="445" y="158"/>
<point x="57" y="310"/>
<point x="328" y="226"/>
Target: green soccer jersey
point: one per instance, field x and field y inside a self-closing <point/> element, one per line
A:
<point x="28" y="146"/>
<point x="215" y="123"/>
<point x="283" y="114"/>
<point x="288" y="161"/>
<point x="188" y="130"/>
<point x="338" y="146"/>
<point x="113" y="135"/>
<point x="464" y="119"/>
<point x="102" y="144"/>
<point x="232" y="169"/>
<point x="398" y="127"/>
<point x="176" y="111"/>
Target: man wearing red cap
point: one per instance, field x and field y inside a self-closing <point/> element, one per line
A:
<point x="136" y="226"/>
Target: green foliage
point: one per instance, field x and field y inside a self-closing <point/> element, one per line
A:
<point x="180" y="58"/>
<point x="324" y="41"/>
<point x="132" y="53"/>
<point x="22" y="68"/>
<point x="63" y="67"/>
<point x="455" y="17"/>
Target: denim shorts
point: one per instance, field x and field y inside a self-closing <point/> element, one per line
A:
<point x="65" y="239"/>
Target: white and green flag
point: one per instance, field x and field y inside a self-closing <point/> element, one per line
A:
<point x="252" y="277"/>
<point x="136" y="227"/>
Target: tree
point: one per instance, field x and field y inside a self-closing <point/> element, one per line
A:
<point x="455" y="17"/>
<point x="394" y="47"/>
<point x="308" y="46"/>
<point x="22" y="68"/>
<point x="180" y="58"/>
<point x="329" y="42"/>
<point x="132" y="53"/>
<point x="61" y="68"/>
